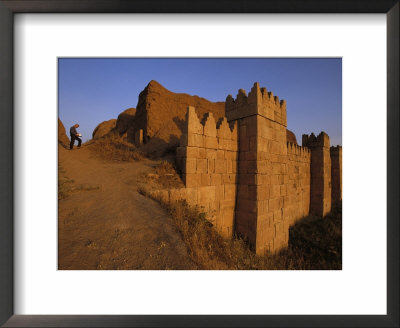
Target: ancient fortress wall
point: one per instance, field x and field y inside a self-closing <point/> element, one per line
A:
<point x="297" y="201"/>
<point x="336" y="174"/>
<point x="253" y="182"/>
<point x="321" y="186"/>
<point x="207" y="157"/>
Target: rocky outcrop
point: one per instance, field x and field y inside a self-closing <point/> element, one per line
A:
<point x="125" y="124"/>
<point x="104" y="128"/>
<point x="291" y="137"/>
<point x="161" y="114"/>
<point x="125" y="120"/>
<point x="63" y="140"/>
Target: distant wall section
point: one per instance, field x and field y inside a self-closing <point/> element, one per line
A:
<point x="336" y="173"/>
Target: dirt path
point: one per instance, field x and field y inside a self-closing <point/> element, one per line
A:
<point x="114" y="227"/>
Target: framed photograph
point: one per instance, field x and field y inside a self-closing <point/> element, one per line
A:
<point x="162" y="111"/>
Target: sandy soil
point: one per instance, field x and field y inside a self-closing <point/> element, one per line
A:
<point x="114" y="227"/>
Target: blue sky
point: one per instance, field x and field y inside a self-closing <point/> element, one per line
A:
<point x="93" y="90"/>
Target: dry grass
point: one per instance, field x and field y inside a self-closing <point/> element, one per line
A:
<point x="315" y="243"/>
<point x="67" y="186"/>
<point x="114" y="149"/>
<point x="165" y="176"/>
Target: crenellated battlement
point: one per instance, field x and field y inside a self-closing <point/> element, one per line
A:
<point x="336" y="150"/>
<point x="294" y="149"/>
<point x="208" y="132"/>
<point x="322" y="140"/>
<point x="258" y="101"/>
<point x="253" y="182"/>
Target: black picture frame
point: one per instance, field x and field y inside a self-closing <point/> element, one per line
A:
<point x="10" y="7"/>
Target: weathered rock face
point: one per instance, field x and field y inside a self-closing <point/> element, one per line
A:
<point x="62" y="135"/>
<point x="125" y="124"/>
<point x="161" y="113"/>
<point x="104" y="128"/>
<point x="291" y="137"/>
<point x="125" y="120"/>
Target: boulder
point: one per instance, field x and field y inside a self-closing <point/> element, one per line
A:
<point x="291" y="137"/>
<point x="125" y="120"/>
<point x="63" y="140"/>
<point x="161" y="113"/>
<point x="104" y="128"/>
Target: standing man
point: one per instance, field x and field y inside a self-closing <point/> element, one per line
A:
<point x="74" y="136"/>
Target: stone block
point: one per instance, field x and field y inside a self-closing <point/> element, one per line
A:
<point x="195" y="140"/>
<point x="211" y="154"/>
<point x="220" y="154"/>
<point x="205" y="194"/>
<point x="274" y="190"/>
<point x="273" y="205"/>
<point x="220" y="166"/>
<point x="235" y="146"/>
<point x="223" y="130"/>
<point x="211" y="142"/>
<point x="279" y="243"/>
<point x="192" y="180"/>
<point x="267" y="235"/>
<point x="192" y="152"/>
<point x="229" y="155"/>
<point x="263" y="192"/>
<point x="210" y="128"/>
<point x="205" y="179"/>
<point x="219" y="192"/>
<point x="262" y="167"/>
<point x="202" y="165"/>
<point x="262" y="207"/>
<point x="276" y="168"/>
<point x="229" y="178"/>
<point x="193" y="122"/>
<point x="230" y="191"/>
<point x="278" y="215"/>
<point x="283" y="190"/>
<point x="226" y="204"/>
<point x="216" y="179"/>
<point x="275" y="179"/>
<point x="229" y="166"/>
<point x="202" y="153"/>
<point x="210" y="165"/>
<point x="190" y="165"/>
<point x="234" y="167"/>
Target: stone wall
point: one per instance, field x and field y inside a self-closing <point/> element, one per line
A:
<point x="320" y="192"/>
<point x="336" y="173"/>
<point x="263" y="168"/>
<point x="207" y="157"/>
<point x="243" y="171"/>
<point x="297" y="200"/>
